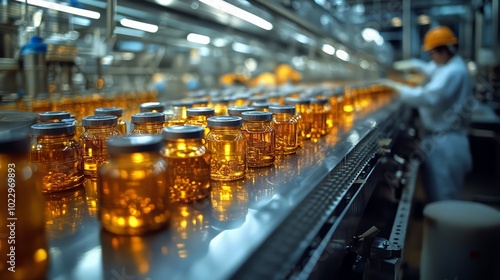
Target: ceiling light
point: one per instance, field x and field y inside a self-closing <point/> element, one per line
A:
<point x="343" y="55"/>
<point x="63" y="8"/>
<point x="372" y="35"/>
<point x="239" y="13"/>
<point x="198" y="38"/>
<point x="424" y="19"/>
<point x="139" y="25"/>
<point x="396" y="22"/>
<point x="129" y="32"/>
<point x="329" y="49"/>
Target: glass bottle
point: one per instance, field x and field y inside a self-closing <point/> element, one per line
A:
<point x="237" y="110"/>
<point x="319" y="117"/>
<point x="58" y="156"/>
<point x="261" y="106"/>
<point x="134" y="195"/>
<point x="260" y="137"/>
<point x="256" y="99"/>
<point x="227" y="144"/>
<point x="285" y="125"/>
<point x="93" y="141"/>
<point x="199" y="102"/>
<point x="152" y="107"/>
<point x="179" y="115"/>
<point x="199" y="116"/>
<point x="113" y="111"/>
<point x="22" y="234"/>
<point x="148" y="123"/>
<point x="303" y="116"/>
<point x="188" y="174"/>
<point x="53" y="116"/>
<point x="220" y="105"/>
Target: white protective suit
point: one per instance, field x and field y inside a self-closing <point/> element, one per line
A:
<point x="444" y="103"/>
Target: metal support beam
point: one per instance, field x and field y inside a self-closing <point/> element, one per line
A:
<point x="407" y="29"/>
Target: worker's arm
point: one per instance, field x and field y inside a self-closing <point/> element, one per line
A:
<point x="416" y="64"/>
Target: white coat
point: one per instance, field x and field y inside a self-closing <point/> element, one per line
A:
<point x="445" y="104"/>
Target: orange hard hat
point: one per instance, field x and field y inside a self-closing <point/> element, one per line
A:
<point x="439" y="36"/>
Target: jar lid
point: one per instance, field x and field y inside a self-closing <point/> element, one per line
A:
<point x="200" y="111"/>
<point x="261" y="105"/>
<point x="148" y="117"/>
<point x="40" y="129"/>
<point x="112" y="111"/>
<point x="181" y="103"/>
<point x="282" y="109"/>
<point x="320" y="100"/>
<point x="257" y="99"/>
<point x="294" y="101"/>
<point x="99" y="120"/>
<point x="237" y="110"/>
<point x="199" y="101"/>
<point x="11" y="143"/>
<point x="134" y="144"/>
<point x="54" y="115"/>
<point x="221" y="99"/>
<point x="175" y="132"/>
<point x="70" y="121"/>
<point x="152" y="106"/>
<point x="220" y="121"/>
<point x="257" y="116"/>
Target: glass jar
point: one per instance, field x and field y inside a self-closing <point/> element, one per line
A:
<point x="227" y="144"/>
<point x="285" y="125"/>
<point x="199" y="102"/>
<point x="260" y="137"/>
<point x="53" y="116"/>
<point x="256" y="99"/>
<point x="148" y="123"/>
<point x="319" y="116"/>
<point x="22" y="234"/>
<point x="179" y="115"/>
<point x="261" y="106"/>
<point x="188" y="174"/>
<point x="93" y="141"/>
<point x="220" y="105"/>
<point x="238" y="110"/>
<point x="113" y="111"/>
<point x="199" y="116"/>
<point x="134" y="195"/>
<point x="58" y="156"/>
<point x="303" y="116"/>
<point x="155" y="107"/>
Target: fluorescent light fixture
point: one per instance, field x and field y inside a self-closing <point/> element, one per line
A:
<point x="63" y="8"/>
<point x="220" y="42"/>
<point x="107" y="60"/>
<point x="329" y="49"/>
<point x="302" y="38"/>
<point x="372" y="35"/>
<point x="129" y="32"/>
<point x="81" y="21"/>
<point x="239" y="13"/>
<point x="151" y="28"/>
<point x="343" y="55"/>
<point x="242" y="48"/>
<point x="198" y="38"/>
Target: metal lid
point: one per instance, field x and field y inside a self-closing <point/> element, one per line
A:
<point x="257" y="99"/>
<point x="220" y="121"/>
<point x="134" y="144"/>
<point x="181" y="103"/>
<point x="237" y="110"/>
<point x="261" y="105"/>
<point x="54" y="115"/>
<point x="112" y="111"/>
<point x="40" y="129"/>
<point x="200" y="111"/>
<point x="11" y="143"/>
<point x="294" y="101"/>
<point x="221" y="99"/>
<point x="99" y="120"/>
<point x="199" y="101"/>
<point x="151" y="106"/>
<point x="148" y="117"/>
<point x="282" y="109"/>
<point x="320" y="100"/>
<point x="70" y="121"/>
<point x="175" y="132"/>
<point x="257" y="116"/>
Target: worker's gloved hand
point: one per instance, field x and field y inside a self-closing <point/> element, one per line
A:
<point x="392" y="84"/>
<point x="403" y="65"/>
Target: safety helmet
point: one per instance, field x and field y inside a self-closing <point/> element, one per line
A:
<point x="439" y="36"/>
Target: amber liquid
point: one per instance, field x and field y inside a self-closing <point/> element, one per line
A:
<point x="228" y="151"/>
<point x="188" y="173"/>
<point x="199" y="121"/>
<point x="319" y="125"/>
<point x="65" y="212"/>
<point x="59" y="161"/>
<point x="27" y="231"/>
<point x="122" y="126"/>
<point x="147" y="128"/>
<point x="260" y="147"/>
<point x="133" y="195"/>
<point x="286" y="135"/>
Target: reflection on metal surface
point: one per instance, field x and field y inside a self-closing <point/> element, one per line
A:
<point x="65" y="212"/>
<point x="229" y="204"/>
<point x="190" y="227"/>
<point x="91" y="195"/>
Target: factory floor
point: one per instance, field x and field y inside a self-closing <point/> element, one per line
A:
<point x="482" y="185"/>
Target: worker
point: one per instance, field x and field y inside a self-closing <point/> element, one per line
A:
<point x="444" y="104"/>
